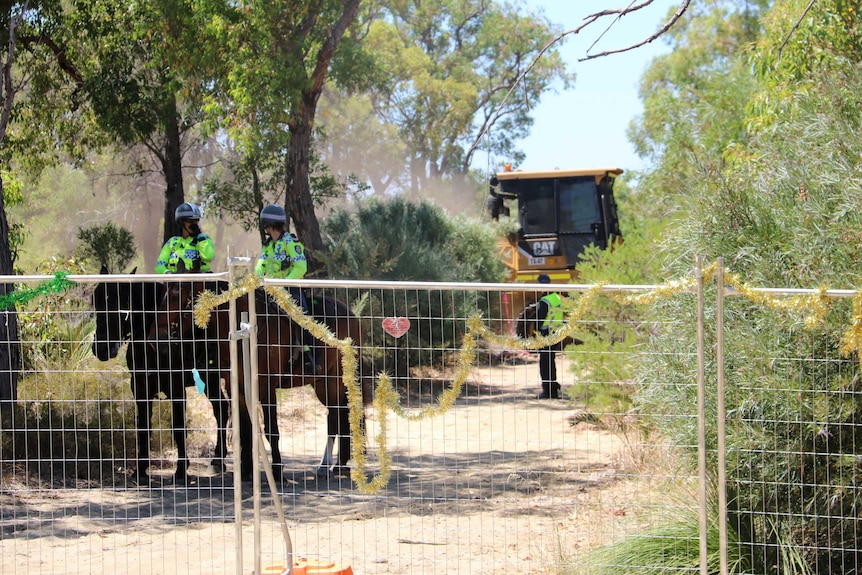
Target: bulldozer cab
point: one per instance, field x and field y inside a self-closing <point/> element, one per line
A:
<point x="559" y="213"/>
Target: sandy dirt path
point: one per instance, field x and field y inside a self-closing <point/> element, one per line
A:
<point x="499" y="484"/>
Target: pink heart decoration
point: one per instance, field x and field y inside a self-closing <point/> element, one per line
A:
<point x="396" y="326"/>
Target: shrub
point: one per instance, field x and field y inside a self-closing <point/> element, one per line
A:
<point x="399" y="240"/>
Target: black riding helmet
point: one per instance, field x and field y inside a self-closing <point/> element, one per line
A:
<point x="187" y="211"/>
<point x="273" y="215"/>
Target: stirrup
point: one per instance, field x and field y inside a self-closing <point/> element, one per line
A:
<point x="310" y="367"/>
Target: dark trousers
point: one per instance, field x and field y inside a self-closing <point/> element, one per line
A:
<point x="548" y="362"/>
<point x="298" y="296"/>
<point x="548" y="365"/>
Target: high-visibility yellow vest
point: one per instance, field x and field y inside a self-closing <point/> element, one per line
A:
<point x="554" y="317"/>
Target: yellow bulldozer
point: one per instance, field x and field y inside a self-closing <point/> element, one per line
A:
<point x="560" y="213"/>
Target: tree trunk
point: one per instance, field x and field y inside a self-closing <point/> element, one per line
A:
<point x="10" y="347"/>
<point x="298" y="202"/>
<point x="172" y="166"/>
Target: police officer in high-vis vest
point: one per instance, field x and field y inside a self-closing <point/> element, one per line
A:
<point x="549" y="316"/>
<point x="282" y="256"/>
<point x="194" y="247"/>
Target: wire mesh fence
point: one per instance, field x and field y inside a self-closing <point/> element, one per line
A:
<point x="456" y="466"/>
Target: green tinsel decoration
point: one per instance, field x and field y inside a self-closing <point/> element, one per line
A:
<point x="58" y="284"/>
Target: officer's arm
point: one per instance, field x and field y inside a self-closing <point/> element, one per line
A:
<point x="541" y="313"/>
<point x="299" y="265"/>
<point x="161" y="266"/>
<point x="260" y="266"/>
<point x="206" y="248"/>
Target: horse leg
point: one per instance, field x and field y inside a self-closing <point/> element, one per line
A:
<point x="270" y="425"/>
<point x="327" y="460"/>
<point x="338" y="424"/>
<point x="145" y="414"/>
<point x="243" y="462"/>
<point x="246" y="465"/>
<point x="178" y="423"/>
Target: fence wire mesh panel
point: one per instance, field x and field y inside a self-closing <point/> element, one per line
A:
<point x="450" y="463"/>
<point x="481" y="475"/>
<point x="793" y="433"/>
<point x="69" y="499"/>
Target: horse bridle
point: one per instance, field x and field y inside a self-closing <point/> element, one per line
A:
<point x="174" y="327"/>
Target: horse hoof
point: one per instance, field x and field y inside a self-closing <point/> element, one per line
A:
<point x="341" y="470"/>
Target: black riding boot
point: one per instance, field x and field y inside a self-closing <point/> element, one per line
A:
<point x="311" y="365"/>
<point x="549" y="391"/>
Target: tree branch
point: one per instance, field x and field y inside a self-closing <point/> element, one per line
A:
<point x="795" y="26"/>
<point x="59" y="54"/>
<point x="588" y="21"/>
<point x="622" y="12"/>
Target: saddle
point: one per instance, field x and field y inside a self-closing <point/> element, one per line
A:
<point x="270" y="307"/>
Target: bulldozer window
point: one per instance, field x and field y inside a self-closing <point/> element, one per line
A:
<point x="538" y="213"/>
<point x="579" y="206"/>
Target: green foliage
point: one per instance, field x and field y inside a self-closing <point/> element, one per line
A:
<point x="12" y="196"/>
<point x="259" y="179"/>
<point x="606" y="374"/>
<point x="142" y="68"/>
<point x="43" y="327"/>
<point x="441" y="70"/>
<point x="109" y="245"/>
<point x="783" y="210"/>
<point x="693" y="98"/>
<point x="669" y="545"/>
<point x="396" y="239"/>
<point x="399" y="240"/>
<point x="47" y="124"/>
<point x="72" y="413"/>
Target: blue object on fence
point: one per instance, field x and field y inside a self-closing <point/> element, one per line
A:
<point x="199" y="383"/>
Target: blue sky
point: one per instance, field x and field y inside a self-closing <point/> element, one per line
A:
<point x="586" y="125"/>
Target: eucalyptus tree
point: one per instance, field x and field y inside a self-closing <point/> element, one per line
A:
<point x="694" y="98"/>
<point x="32" y="59"/>
<point x="144" y="68"/>
<point x="279" y="56"/>
<point x="442" y="72"/>
<point x="771" y="182"/>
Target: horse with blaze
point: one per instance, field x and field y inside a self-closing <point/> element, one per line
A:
<point x="279" y="353"/>
<point x="125" y="313"/>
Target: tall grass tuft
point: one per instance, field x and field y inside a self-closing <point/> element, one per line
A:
<point x="74" y="417"/>
<point x="671" y="545"/>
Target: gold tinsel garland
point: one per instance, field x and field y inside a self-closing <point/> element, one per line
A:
<point x="387" y="399"/>
<point x="852" y="339"/>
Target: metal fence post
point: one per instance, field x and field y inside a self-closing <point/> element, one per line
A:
<point x="235" y="416"/>
<point x="721" y="417"/>
<point x="701" y="418"/>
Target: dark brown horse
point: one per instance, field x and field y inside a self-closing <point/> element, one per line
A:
<point x="279" y="354"/>
<point x="124" y="314"/>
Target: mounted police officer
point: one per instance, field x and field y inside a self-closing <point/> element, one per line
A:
<point x="194" y="247"/>
<point x="196" y="251"/>
<point x="283" y="257"/>
<point x="549" y="316"/>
